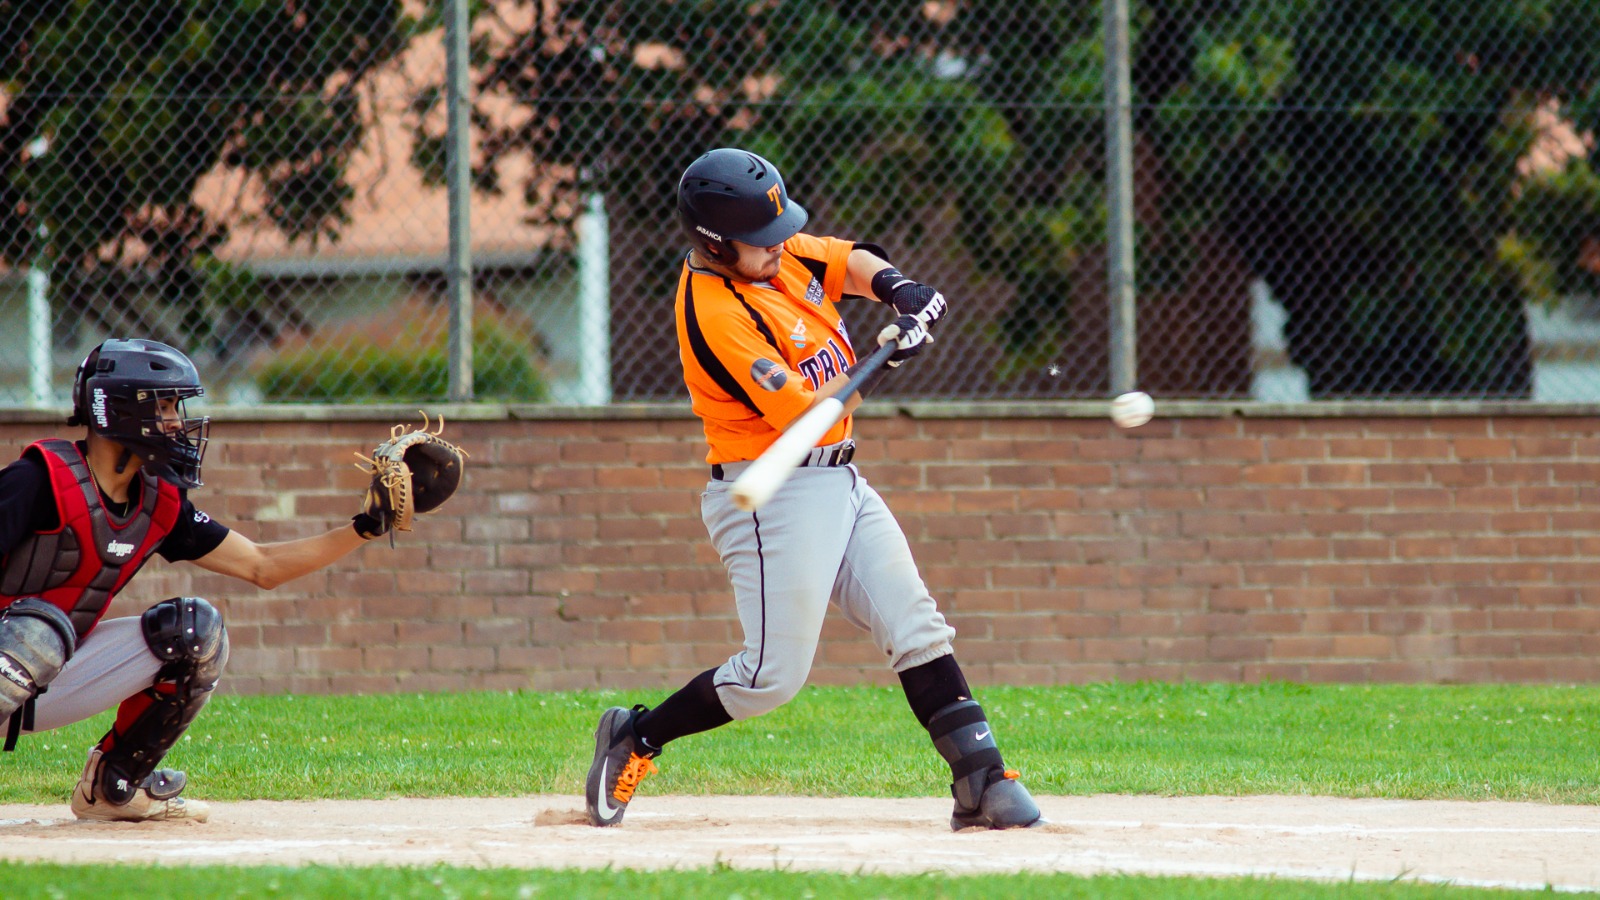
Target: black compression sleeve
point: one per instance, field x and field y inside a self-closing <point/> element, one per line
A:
<point x="934" y="685"/>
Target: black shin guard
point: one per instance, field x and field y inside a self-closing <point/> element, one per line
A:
<point x="962" y="736"/>
<point x="986" y="794"/>
<point x="187" y="633"/>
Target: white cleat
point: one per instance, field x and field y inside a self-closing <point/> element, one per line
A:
<point x="156" y="799"/>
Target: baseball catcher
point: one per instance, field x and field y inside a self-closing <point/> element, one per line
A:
<point x="78" y="519"/>
<point x="413" y="472"/>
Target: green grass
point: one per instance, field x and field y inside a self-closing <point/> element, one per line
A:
<point x="1503" y="742"/>
<point x="26" y="882"/>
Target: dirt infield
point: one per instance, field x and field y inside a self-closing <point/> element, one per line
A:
<point x="1520" y="845"/>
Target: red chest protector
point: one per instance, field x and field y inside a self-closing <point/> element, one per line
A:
<point x="81" y="565"/>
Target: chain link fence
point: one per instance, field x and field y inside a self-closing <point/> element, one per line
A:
<point x="1351" y="199"/>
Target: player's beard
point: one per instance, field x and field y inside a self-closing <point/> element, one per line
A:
<point x="757" y="265"/>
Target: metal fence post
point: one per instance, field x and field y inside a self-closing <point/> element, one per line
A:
<point x="458" y="162"/>
<point x="1119" y="200"/>
<point x="594" y="302"/>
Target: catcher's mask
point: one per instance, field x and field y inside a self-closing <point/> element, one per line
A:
<point x="735" y="195"/>
<point x="119" y="393"/>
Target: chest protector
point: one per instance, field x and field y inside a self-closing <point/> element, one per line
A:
<point x="82" y="564"/>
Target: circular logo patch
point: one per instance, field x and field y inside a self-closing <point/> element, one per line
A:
<point x="768" y="375"/>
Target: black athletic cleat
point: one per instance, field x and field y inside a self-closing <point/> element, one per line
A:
<point x="618" y="766"/>
<point x="1005" y="803"/>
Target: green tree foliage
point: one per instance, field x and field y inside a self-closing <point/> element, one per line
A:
<point x="138" y="101"/>
<point x="1370" y="160"/>
<point x="1366" y="158"/>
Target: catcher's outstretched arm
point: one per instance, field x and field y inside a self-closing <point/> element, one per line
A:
<point x="269" y="565"/>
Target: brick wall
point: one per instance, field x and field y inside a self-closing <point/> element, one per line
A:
<point x="1391" y="544"/>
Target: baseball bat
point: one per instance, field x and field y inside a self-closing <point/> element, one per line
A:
<point x="756" y="485"/>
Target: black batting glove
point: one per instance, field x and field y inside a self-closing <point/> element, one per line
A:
<point x="909" y="335"/>
<point x="909" y="298"/>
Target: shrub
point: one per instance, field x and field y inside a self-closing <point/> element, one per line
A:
<point x="410" y="365"/>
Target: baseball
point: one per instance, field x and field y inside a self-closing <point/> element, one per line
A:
<point x="1132" y="409"/>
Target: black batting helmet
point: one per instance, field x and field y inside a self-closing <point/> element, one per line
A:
<point x="735" y="195"/>
<point x="117" y="395"/>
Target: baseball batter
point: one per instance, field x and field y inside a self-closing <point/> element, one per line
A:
<point x="761" y="340"/>
<point x="77" y="521"/>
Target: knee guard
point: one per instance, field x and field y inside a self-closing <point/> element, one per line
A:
<point x="187" y="634"/>
<point x="36" y="640"/>
<point x="987" y="794"/>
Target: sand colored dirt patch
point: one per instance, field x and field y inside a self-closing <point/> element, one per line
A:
<point x="1522" y="845"/>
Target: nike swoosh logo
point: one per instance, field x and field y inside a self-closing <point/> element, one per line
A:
<point x="980" y="735"/>
<point x="605" y="795"/>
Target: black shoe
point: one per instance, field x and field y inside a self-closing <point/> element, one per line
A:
<point x="618" y="767"/>
<point x="1005" y="804"/>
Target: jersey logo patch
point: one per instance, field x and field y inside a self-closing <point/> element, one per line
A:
<point x="814" y="292"/>
<point x="799" y="334"/>
<point x="768" y="375"/>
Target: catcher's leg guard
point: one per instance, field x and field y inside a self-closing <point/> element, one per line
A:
<point x="36" y="640"/>
<point x="987" y="794"/>
<point x="121" y="780"/>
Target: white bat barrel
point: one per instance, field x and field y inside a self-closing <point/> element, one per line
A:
<point x="756" y="485"/>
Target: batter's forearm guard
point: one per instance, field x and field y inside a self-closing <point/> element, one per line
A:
<point x="885" y="281"/>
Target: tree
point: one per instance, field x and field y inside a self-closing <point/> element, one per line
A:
<point x="1367" y="158"/>
<point x="133" y="103"/>
<point x="1363" y="158"/>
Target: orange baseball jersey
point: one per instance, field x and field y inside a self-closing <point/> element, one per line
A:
<point x="754" y="354"/>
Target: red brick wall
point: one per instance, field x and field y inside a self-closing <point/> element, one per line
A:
<point x="1214" y="545"/>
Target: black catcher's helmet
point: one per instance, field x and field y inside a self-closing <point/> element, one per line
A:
<point x="735" y="195"/>
<point x="117" y="395"/>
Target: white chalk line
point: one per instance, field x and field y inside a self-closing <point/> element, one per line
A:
<point x="1348" y="828"/>
<point x="1081" y="860"/>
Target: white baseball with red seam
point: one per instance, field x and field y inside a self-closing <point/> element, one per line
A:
<point x="1132" y="409"/>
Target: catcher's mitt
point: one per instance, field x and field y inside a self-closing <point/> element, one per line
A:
<point x="413" y="472"/>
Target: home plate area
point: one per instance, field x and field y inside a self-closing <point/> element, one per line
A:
<point x="1512" y="845"/>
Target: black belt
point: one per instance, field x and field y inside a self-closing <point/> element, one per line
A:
<point x="838" y="456"/>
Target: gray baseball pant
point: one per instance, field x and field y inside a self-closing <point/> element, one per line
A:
<point x="826" y="534"/>
<point x="112" y="664"/>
